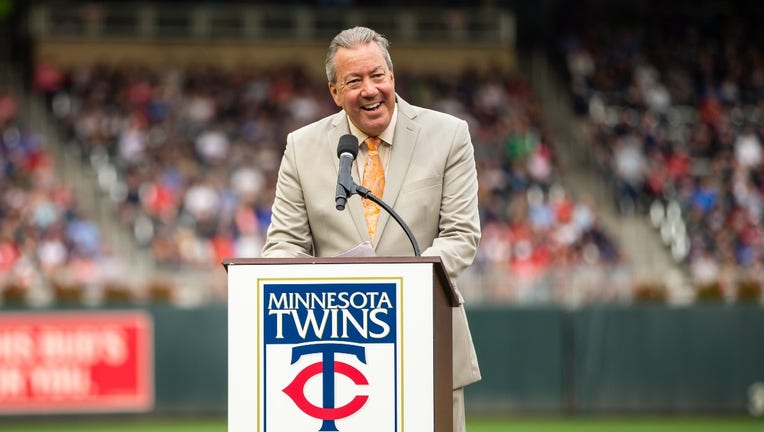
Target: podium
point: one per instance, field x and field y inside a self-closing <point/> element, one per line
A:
<point x="339" y="344"/>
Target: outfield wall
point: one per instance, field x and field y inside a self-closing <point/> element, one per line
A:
<point x="607" y="360"/>
<point x="595" y="360"/>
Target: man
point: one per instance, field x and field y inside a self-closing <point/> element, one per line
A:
<point x="423" y="166"/>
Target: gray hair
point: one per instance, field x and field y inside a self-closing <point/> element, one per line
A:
<point x="351" y="38"/>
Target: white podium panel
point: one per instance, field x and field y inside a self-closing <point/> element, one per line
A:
<point x="330" y="347"/>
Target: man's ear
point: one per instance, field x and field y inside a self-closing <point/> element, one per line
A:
<point x="335" y="92"/>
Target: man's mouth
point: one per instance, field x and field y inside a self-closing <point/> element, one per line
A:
<point x="372" y="107"/>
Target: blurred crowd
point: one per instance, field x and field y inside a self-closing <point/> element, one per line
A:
<point x="675" y="119"/>
<point x="195" y="152"/>
<point x="46" y="243"/>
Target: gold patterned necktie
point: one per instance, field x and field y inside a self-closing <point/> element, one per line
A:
<point x="374" y="180"/>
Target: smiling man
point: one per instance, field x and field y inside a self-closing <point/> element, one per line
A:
<point x="421" y="162"/>
<point x="363" y="85"/>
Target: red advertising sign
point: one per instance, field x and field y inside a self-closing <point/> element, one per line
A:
<point x="76" y="362"/>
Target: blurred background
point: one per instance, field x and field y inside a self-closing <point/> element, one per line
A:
<point x="619" y="151"/>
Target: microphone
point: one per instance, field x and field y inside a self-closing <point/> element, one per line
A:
<point x="347" y="150"/>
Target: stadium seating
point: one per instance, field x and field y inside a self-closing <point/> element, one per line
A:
<point x="675" y="121"/>
<point x="49" y="250"/>
<point x="197" y="150"/>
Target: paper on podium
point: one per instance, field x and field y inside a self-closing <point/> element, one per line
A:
<point x="361" y="250"/>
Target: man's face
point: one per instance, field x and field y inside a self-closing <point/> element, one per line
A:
<point x="365" y="87"/>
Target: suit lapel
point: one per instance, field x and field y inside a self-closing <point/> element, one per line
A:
<point x="405" y="140"/>
<point x="340" y="127"/>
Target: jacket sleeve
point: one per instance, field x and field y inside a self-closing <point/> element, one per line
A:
<point x="459" y="224"/>
<point x="289" y="232"/>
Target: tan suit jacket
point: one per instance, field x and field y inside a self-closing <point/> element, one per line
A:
<point x="431" y="182"/>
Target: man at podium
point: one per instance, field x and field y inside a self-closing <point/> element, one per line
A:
<point x="418" y="161"/>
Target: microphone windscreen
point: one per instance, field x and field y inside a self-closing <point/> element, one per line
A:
<point x="348" y="144"/>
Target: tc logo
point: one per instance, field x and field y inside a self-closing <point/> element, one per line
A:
<point x="327" y="367"/>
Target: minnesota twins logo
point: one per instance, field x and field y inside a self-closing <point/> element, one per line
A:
<point x="330" y="355"/>
<point x="327" y="367"/>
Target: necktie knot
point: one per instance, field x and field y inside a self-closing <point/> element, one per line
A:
<point x="372" y="143"/>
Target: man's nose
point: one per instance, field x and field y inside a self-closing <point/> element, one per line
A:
<point x="368" y="88"/>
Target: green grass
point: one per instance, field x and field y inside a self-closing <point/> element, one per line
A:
<point x="634" y="424"/>
<point x="125" y="425"/>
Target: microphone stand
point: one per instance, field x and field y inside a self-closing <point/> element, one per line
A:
<point x="349" y="187"/>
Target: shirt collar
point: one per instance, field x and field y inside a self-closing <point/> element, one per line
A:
<point x="386" y="135"/>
